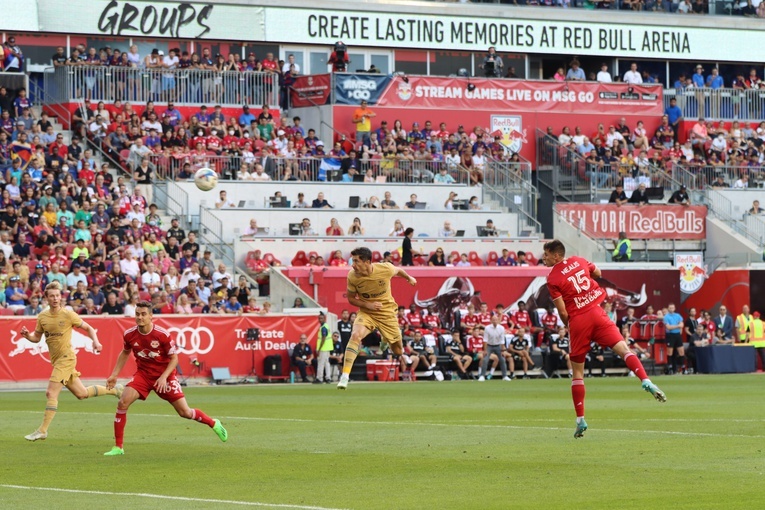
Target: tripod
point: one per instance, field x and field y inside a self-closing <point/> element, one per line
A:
<point x="196" y="368"/>
<point x="253" y="335"/>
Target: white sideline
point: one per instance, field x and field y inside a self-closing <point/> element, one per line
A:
<point x="458" y="424"/>
<point x="174" y="498"/>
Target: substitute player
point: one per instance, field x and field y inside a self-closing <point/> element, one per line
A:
<point x="577" y="296"/>
<point x="56" y="323"/>
<point x="156" y="359"/>
<point x="369" y="289"/>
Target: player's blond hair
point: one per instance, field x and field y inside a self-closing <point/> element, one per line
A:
<point x="52" y="286"/>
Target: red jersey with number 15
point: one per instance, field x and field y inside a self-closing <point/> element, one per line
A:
<point x="571" y="280"/>
<point x="152" y="351"/>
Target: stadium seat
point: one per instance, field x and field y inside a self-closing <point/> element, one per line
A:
<point x="312" y="254"/>
<point x="69" y="250"/>
<point x="144" y="296"/>
<point x="492" y="258"/>
<point x="395" y="257"/>
<point x="196" y="309"/>
<point x="20" y="312"/>
<point x="376" y="256"/>
<point x="299" y="259"/>
<point x="474" y="259"/>
<point x="6" y="311"/>
<point x="269" y="257"/>
<point x="531" y="259"/>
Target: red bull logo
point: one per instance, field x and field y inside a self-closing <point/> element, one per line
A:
<point x="512" y="134"/>
<point x="22" y="345"/>
<point x="692" y="271"/>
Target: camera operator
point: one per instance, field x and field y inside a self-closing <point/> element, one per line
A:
<point x="338" y="59"/>
<point x="492" y="64"/>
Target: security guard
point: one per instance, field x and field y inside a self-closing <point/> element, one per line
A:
<point x="742" y="325"/>
<point x="757" y="336"/>
<point x="623" y="249"/>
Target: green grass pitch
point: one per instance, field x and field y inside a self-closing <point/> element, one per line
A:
<point x="425" y="445"/>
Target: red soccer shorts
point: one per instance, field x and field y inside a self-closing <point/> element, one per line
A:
<point x="595" y="325"/>
<point x="145" y="385"/>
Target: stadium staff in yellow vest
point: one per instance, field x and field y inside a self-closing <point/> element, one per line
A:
<point x="623" y="249"/>
<point x="757" y="336"/>
<point x="742" y="325"/>
<point x="324" y="346"/>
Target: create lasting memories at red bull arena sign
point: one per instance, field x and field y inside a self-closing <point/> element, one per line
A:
<point x="211" y="341"/>
<point x="512" y="109"/>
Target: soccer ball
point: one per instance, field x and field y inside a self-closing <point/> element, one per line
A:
<point x="206" y="179"/>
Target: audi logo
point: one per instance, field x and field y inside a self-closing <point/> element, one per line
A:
<point x="192" y="340"/>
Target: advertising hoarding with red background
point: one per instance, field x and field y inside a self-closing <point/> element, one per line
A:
<point x="653" y="222"/>
<point x="529" y="104"/>
<point x="506" y="286"/>
<point x="216" y="341"/>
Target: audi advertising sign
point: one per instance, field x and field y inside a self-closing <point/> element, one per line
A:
<point x="214" y="340"/>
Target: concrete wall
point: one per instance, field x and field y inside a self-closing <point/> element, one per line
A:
<point x="724" y="245"/>
<point x="255" y="194"/>
<point x="376" y="223"/>
<point x="577" y="243"/>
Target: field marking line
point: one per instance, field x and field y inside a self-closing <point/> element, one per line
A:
<point x="433" y="424"/>
<point x="161" y="496"/>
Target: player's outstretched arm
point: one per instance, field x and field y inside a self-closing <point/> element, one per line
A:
<point x="121" y="360"/>
<point x="403" y="274"/>
<point x="93" y="336"/>
<point x="34" y="337"/>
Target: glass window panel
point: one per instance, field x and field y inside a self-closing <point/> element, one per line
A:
<point x="381" y="62"/>
<point x="445" y="63"/>
<point x="318" y="60"/>
<point x="357" y="62"/>
<point x="411" y="62"/>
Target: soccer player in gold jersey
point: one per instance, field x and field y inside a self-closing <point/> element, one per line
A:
<point x="55" y="324"/>
<point x="369" y="289"/>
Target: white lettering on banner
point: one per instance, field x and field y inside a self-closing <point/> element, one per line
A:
<point x="583" y="301"/>
<point x="264" y="345"/>
<point x="666" y="223"/>
<point x="192" y="340"/>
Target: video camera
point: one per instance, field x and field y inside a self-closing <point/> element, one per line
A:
<point x="340" y="50"/>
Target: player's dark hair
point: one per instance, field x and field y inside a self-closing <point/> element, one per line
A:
<point x="364" y="254"/>
<point x="144" y="304"/>
<point x="555" y="247"/>
<point x="408" y="231"/>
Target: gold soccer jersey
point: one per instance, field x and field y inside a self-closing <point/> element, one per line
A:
<point x="57" y="328"/>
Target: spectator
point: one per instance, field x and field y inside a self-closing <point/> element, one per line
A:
<point x="306" y="229"/>
<point x="406" y="248"/>
<point x="112" y="306"/>
<point x="461" y="359"/>
<point x="219" y="276"/>
<point x="618" y="196"/>
<point x="506" y="259"/>
<point x="334" y="228"/>
<point x="575" y="73"/>
<point x="699" y="338"/>
<point x="223" y="201"/>
<point x="356" y="229"/>
<point x="233" y="306"/>
<point x="302" y="357"/>
<point x="15" y="298"/>
<point x="724" y="322"/>
<point x="633" y="77"/>
<point x="519" y="349"/>
<point x="301" y="203"/>
<point x="492" y="65"/>
<point x="447" y="230"/>
<point x="639" y="196"/>
<point x="559" y="350"/>
<point x="437" y="259"/>
<point x="489" y="230"/>
<point x="387" y="202"/>
<point x="622" y="249"/>
<point x="756" y="209"/>
<point x="680" y="197"/>
<point x="603" y="75"/>
<point x="362" y="118"/>
<point x="320" y="203"/>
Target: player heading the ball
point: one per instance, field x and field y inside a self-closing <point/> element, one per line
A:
<point x="369" y="289"/>
<point x="156" y="359"/>
<point x="55" y="324"/>
<point x="577" y="296"/>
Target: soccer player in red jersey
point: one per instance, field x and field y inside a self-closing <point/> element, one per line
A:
<point x="577" y="296"/>
<point x="156" y="358"/>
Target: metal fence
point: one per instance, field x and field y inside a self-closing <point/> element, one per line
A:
<point x="719" y="176"/>
<point x="723" y="104"/>
<point x="574" y="178"/>
<point x="130" y="84"/>
<point x="509" y="185"/>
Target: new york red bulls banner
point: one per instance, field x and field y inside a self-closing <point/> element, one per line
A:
<point x="605" y="221"/>
<point x="313" y="90"/>
<point x="214" y="341"/>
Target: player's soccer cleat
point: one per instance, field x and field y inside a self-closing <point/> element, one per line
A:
<point x="220" y="431"/>
<point x="654" y="390"/>
<point x="580" y="428"/>
<point x="36" y="436"/>
<point x="116" y="450"/>
<point x="481" y="378"/>
<point x="506" y="378"/>
<point x="343" y="384"/>
<point x="120" y="390"/>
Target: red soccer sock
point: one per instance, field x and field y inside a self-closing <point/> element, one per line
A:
<point x="577" y="393"/>
<point x="120" y="420"/>
<point x="201" y="417"/>
<point x="634" y="364"/>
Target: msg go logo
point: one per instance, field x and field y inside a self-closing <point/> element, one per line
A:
<point x="193" y="340"/>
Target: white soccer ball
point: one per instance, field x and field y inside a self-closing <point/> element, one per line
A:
<point x="206" y="179"/>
